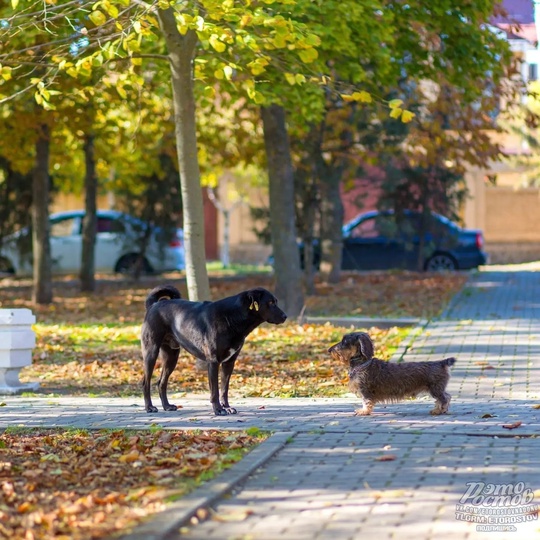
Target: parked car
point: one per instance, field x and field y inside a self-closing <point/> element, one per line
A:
<point x="116" y="250"/>
<point x="377" y="241"/>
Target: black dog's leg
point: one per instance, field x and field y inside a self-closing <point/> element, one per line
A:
<point x="169" y="358"/>
<point x="150" y="354"/>
<point x="226" y="372"/>
<point x="213" y="377"/>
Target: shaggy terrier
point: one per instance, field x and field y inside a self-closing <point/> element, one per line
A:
<point x="377" y="381"/>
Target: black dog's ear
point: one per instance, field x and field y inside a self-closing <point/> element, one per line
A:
<point x="251" y="299"/>
<point x="366" y="345"/>
<point x="254" y="298"/>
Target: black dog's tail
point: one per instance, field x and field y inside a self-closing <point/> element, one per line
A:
<point x="448" y="361"/>
<point x="162" y="292"/>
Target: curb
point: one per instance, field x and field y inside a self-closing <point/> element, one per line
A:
<point x="364" y="322"/>
<point x="179" y="513"/>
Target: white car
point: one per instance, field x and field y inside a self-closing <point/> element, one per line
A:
<point x="116" y="250"/>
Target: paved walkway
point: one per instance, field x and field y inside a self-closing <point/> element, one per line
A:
<point x="400" y="473"/>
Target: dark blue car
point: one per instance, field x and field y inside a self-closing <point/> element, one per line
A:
<point x="378" y="241"/>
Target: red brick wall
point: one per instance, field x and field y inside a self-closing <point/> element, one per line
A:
<point x="363" y="195"/>
<point x="211" y="228"/>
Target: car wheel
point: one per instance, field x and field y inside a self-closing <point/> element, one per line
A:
<point x="440" y="262"/>
<point x="6" y="268"/>
<point x="128" y="264"/>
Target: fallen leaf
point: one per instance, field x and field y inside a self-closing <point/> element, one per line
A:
<point x="386" y="457"/>
<point x="537" y="406"/>
<point x="388" y="494"/>
<point x="512" y="426"/>
<point x="488" y="415"/>
<point x="484" y="365"/>
<point x="202" y="513"/>
<point x="130" y="457"/>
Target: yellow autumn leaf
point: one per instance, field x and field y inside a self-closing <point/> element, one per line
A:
<point x="290" y="78"/>
<point x="111" y="9"/>
<point x="308" y="55"/>
<point x="209" y="92"/>
<point x="407" y="116"/>
<point x="396" y="112"/>
<point x="395" y="103"/>
<point x="215" y="42"/>
<point x="300" y="79"/>
<point x="6" y="73"/>
<point x="256" y="68"/>
<point x="362" y="97"/>
<point x="129" y="457"/>
<point x="97" y="18"/>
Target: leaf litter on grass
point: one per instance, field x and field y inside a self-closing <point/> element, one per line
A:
<point x="88" y="343"/>
<point x="77" y="484"/>
<point x="121" y="301"/>
<point x="295" y="355"/>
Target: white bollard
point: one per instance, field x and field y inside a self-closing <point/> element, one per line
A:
<point x="17" y="339"/>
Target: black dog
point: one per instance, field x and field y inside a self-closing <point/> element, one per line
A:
<point x="213" y="332"/>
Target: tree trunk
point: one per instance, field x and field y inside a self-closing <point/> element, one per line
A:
<point x="331" y="226"/>
<point x="42" y="290"/>
<point x="282" y="211"/>
<point x="89" y="228"/>
<point x="181" y="51"/>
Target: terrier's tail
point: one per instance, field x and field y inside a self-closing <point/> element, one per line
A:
<point x="448" y="361"/>
<point x="161" y="292"/>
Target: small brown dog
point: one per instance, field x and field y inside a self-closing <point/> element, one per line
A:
<point x="378" y="381"/>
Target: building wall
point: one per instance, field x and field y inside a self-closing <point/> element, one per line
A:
<point x="512" y="215"/>
<point x="509" y="215"/>
<point x="244" y="245"/>
<point x="512" y="228"/>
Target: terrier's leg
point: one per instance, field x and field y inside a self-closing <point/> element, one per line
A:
<point x="368" y="405"/>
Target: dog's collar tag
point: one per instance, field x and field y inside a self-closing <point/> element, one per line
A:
<point x="254" y="305"/>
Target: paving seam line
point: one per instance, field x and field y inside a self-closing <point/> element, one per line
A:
<point x="178" y="514"/>
<point x="458" y="297"/>
<point x="407" y="343"/>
